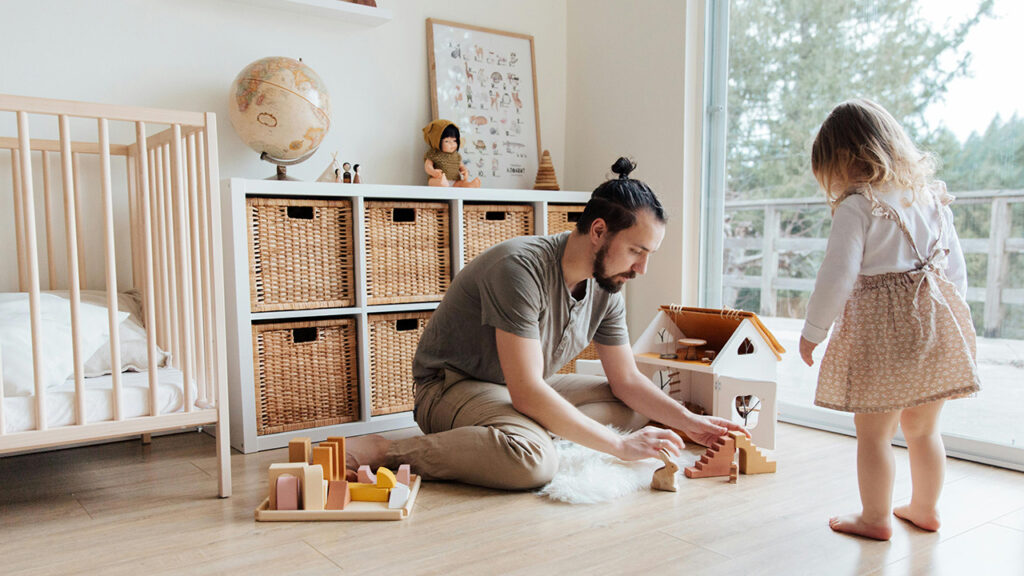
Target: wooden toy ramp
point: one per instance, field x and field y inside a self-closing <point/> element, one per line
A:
<point x="716" y="461"/>
<point x="752" y="461"/>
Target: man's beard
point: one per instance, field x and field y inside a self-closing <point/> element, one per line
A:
<point x="608" y="283"/>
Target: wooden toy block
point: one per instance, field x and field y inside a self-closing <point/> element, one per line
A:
<point x="752" y="461"/>
<point x="339" y="455"/>
<point x="313" y="496"/>
<point x="365" y="476"/>
<point x="300" y="450"/>
<point x="363" y="492"/>
<point x="399" y="496"/>
<point x="403" y="474"/>
<point x="385" y="478"/>
<point x="297" y="469"/>
<point x="324" y="456"/>
<point x="287" y="492"/>
<point x="716" y="461"/>
<point x="734" y="472"/>
<point x="338" y="495"/>
<point x="665" y="477"/>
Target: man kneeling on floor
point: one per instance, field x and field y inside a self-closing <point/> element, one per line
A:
<point x="487" y="396"/>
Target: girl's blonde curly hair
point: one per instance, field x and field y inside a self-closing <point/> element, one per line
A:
<point x="860" y="147"/>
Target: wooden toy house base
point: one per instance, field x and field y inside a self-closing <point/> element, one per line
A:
<point x="353" y="510"/>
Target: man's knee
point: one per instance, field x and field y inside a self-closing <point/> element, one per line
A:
<point x="527" y="464"/>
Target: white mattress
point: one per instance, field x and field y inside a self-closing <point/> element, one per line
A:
<point x="20" y="412"/>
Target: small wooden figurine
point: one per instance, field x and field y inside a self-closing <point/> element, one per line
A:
<point x="665" y="477"/>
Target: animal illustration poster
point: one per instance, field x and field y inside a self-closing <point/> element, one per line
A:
<point x="484" y="81"/>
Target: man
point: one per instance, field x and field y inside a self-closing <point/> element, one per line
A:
<point x="487" y="396"/>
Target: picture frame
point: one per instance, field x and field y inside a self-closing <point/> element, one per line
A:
<point x="485" y="81"/>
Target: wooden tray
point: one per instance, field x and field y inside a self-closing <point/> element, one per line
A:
<point x="353" y="511"/>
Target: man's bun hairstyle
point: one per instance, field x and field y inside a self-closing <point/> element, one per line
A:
<point x="618" y="200"/>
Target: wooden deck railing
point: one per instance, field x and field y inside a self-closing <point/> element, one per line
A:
<point x="998" y="248"/>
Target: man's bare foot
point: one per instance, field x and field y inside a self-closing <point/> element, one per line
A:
<point x="927" y="520"/>
<point x="854" y="524"/>
<point x="366" y="450"/>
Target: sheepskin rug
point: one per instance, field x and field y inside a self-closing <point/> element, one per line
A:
<point x="587" y="476"/>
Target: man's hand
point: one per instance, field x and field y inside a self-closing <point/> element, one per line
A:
<point x="806" y="349"/>
<point x="647" y="442"/>
<point x="706" y="430"/>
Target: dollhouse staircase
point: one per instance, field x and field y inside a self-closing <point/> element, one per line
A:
<point x="716" y="461"/>
<point x="752" y="461"/>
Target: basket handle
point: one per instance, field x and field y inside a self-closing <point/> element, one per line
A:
<point x="495" y="215"/>
<point x="406" y="324"/>
<point x="573" y="216"/>
<point x="301" y="212"/>
<point x="403" y="214"/>
<point x="305" y="335"/>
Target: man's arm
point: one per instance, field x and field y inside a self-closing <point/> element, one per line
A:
<point x="522" y="363"/>
<point x="639" y="393"/>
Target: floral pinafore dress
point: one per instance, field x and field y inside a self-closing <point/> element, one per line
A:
<point x="903" y="339"/>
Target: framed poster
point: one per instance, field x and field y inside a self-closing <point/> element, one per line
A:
<point x="485" y="81"/>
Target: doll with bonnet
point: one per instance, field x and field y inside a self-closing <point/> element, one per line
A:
<point x="442" y="162"/>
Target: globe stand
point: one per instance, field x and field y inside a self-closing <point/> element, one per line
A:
<point x="282" y="165"/>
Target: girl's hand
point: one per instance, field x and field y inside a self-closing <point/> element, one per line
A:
<point x="806" y="348"/>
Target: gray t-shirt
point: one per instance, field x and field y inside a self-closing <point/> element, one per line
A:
<point x="516" y="286"/>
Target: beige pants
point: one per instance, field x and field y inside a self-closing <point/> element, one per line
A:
<point x="474" y="435"/>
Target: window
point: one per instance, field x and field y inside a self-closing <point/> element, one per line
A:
<point x="775" y="70"/>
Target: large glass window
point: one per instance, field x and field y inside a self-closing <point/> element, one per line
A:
<point x="941" y="68"/>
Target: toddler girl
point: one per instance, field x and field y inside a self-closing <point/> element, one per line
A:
<point x="904" y="342"/>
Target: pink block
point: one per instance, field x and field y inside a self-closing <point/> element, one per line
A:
<point x="365" y="476"/>
<point x="287" y="492"/>
<point x="403" y="474"/>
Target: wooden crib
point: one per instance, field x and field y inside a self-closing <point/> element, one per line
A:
<point x="171" y="242"/>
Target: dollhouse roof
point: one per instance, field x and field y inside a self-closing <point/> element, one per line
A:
<point x="717" y="325"/>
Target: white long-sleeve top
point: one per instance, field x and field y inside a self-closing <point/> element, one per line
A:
<point x="863" y="244"/>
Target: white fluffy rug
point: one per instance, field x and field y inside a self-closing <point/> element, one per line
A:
<point x="587" y="476"/>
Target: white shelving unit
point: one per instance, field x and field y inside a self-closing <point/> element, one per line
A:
<point x="332" y="9"/>
<point x="236" y="225"/>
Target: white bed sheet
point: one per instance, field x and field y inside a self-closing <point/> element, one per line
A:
<point x="20" y="411"/>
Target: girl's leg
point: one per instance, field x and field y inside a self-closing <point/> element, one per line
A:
<point x="927" y="464"/>
<point x="875" y="471"/>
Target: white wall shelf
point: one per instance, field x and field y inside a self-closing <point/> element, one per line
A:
<point x="240" y="318"/>
<point x="333" y="9"/>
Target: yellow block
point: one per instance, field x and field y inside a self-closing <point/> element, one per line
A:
<point x="367" y="492"/>
<point x="385" y="478"/>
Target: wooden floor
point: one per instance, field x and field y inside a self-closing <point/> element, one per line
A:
<point x="126" y="508"/>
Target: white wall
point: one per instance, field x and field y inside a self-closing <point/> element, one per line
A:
<point x="183" y="54"/>
<point x="626" y="92"/>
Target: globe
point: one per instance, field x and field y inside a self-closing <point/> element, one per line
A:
<point x="280" y="108"/>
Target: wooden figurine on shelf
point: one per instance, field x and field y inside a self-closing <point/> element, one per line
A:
<point x="665" y="477"/>
<point x="355" y="174"/>
<point x="346" y="175"/>
<point x="443" y="163"/>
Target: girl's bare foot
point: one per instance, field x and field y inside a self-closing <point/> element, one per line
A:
<point x="854" y="524"/>
<point x="927" y="520"/>
<point x="366" y="450"/>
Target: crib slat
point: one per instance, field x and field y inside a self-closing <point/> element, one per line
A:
<point x="29" y="213"/>
<point x="51" y="262"/>
<point x="204" y="250"/>
<point x="3" y="419"/>
<point x="196" y="259"/>
<point x="181" y="265"/>
<point x="111" y="267"/>
<point x="158" y="320"/>
<point x="170" y="254"/>
<point x="148" y="295"/>
<point x="19" y="218"/>
<point x="76" y="170"/>
<point x="133" y="220"/>
<point x="71" y="222"/>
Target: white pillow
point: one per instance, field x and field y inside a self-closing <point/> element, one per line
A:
<point x="58" y="358"/>
<point x="134" y="352"/>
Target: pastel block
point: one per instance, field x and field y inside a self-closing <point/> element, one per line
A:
<point x="324" y="456"/>
<point x="300" y="450"/>
<point x="313" y="496"/>
<point x="362" y="492"/>
<point x="339" y="454"/>
<point x="287" y="492"/>
<point x="338" y="495"/>
<point x="297" y="469"/>
<point x="404" y="472"/>
<point x="385" y="478"/>
<point x="339" y="460"/>
<point x="399" y="496"/>
<point x="365" y="476"/>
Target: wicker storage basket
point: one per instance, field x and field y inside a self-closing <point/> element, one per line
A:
<point x="393" y="341"/>
<point x="306" y="375"/>
<point x="301" y="254"/>
<point x="589" y="353"/>
<point x="486" y="225"/>
<point x="562" y="217"/>
<point x="407" y="252"/>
